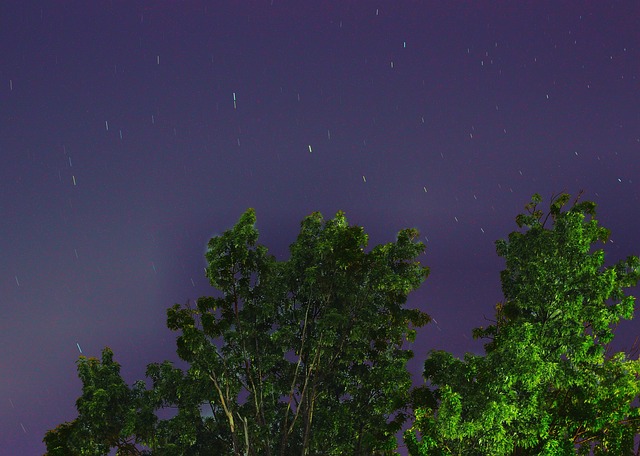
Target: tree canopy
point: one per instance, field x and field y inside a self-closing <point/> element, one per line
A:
<point x="110" y="414"/>
<point x="545" y="384"/>
<point x="306" y="355"/>
<point x="302" y="356"/>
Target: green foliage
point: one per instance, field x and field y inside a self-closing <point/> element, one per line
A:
<point x="302" y="356"/>
<point x="110" y="414"/>
<point x="544" y="385"/>
<point x="305" y="356"/>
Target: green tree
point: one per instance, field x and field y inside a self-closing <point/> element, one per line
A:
<point x="302" y="356"/>
<point x="110" y="414"/>
<point x="545" y="384"/>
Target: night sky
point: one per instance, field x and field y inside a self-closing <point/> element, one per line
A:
<point x="133" y="131"/>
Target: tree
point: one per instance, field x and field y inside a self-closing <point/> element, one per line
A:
<point x="545" y="384"/>
<point x="302" y="356"/>
<point x="110" y="414"/>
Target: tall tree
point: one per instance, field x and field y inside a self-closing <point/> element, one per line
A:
<point x="110" y="414"/>
<point x="545" y="384"/>
<point x="302" y="356"/>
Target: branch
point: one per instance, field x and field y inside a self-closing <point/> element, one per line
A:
<point x="293" y="383"/>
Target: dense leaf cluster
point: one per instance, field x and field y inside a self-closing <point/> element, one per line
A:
<point x="545" y="384"/>
<point x="305" y="356"/>
<point x="302" y="356"/>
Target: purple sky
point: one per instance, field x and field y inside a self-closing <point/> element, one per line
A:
<point x="123" y="152"/>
